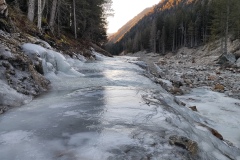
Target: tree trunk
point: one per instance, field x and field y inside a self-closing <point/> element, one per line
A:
<point x="226" y="29"/>
<point x="39" y="24"/>
<point x="195" y="35"/>
<point x="159" y="40"/>
<point x="53" y="14"/>
<point x="163" y="40"/>
<point x="31" y="10"/>
<point x="173" y="42"/>
<point x="154" y="45"/>
<point x="153" y="35"/>
<point x="74" y="19"/>
<point x="185" y="36"/>
<point x="43" y="4"/>
<point x="58" y="17"/>
<point x="192" y="38"/>
<point x="182" y="35"/>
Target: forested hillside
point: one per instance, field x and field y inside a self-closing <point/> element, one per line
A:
<point x="77" y="19"/>
<point x="182" y="23"/>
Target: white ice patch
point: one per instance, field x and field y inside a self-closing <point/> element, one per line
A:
<point x="223" y="111"/>
<point x="98" y="56"/>
<point x="62" y="105"/>
<point x="71" y="113"/>
<point x="15" y="137"/>
<point x="52" y="62"/>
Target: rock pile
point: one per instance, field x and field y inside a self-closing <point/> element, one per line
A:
<point x="185" y="75"/>
<point x="191" y="68"/>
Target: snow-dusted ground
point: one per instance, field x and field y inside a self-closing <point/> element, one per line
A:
<point x="222" y="111"/>
<point x="9" y="96"/>
<point x="105" y="109"/>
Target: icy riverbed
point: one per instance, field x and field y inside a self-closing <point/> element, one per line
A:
<point x="105" y="109"/>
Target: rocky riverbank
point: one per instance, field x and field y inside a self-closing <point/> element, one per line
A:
<point x="192" y="68"/>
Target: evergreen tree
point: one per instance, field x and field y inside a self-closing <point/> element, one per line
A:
<point x="85" y="19"/>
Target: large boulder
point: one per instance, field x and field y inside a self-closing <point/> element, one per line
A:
<point x="227" y="59"/>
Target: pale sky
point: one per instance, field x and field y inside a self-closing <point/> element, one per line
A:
<point x="125" y="10"/>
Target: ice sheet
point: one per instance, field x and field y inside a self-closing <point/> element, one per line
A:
<point x="222" y="110"/>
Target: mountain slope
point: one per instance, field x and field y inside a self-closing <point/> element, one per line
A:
<point x="124" y="29"/>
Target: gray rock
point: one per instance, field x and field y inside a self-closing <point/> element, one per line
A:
<point x="227" y="59"/>
<point x="238" y="63"/>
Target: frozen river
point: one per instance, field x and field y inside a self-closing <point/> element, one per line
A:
<point x="113" y="112"/>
